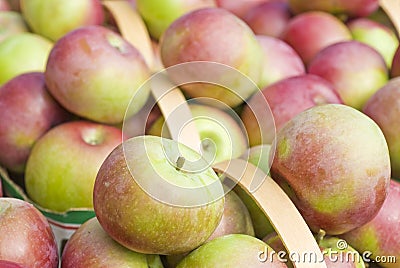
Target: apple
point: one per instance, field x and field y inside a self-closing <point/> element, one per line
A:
<point x="222" y="137"/>
<point x="1" y="189"/>
<point x="10" y="264"/>
<point x="395" y="70"/>
<point x="213" y="35"/>
<point x="65" y="15"/>
<point x="333" y="161"/>
<point x="100" y="250"/>
<point x="149" y="198"/>
<point x="94" y="72"/>
<point x="286" y="98"/>
<point x="355" y="70"/>
<point x="28" y="112"/>
<point x="235" y="220"/>
<point x="11" y="23"/>
<point x="380" y="236"/>
<point x="258" y="155"/>
<point x="280" y="60"/>
<point x="235" y="250"/>
<point x="384" y="109"/>
<point x="239" y="7"/>
<point x="353" y="8"/>
<point x="269" y="18"/>
<point x="159" y="14"/>
<point x="26" y="236"/>
<point x="21" y="53"/>
<point x="63" y="164"/>
<point x="310" y="32"/>
<point x="4" y="5"/>
<point x="377" y="35"/>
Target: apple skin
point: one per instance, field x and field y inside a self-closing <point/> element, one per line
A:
<point x="280" y="61"/>
<point x="239" y="8"/>
<point x="70" y="15"/>
<point x="395" y="70"/>
<point x="66" y="154"/>
<point x="269" y="18"/>
<point x="85" y="63"/>
<point x="377" y="35"/>
<point x="11" y="23"/>
<point x="333" y="161"/>
<point x="383" y="108"/>
<point x="91" y="247"/>
<point x="235" y="220"/>
<point x="216" y="125"/>
<point x="214" y="35"/>
<point x="381" y="235"/>
<point x="235" y="250"/>
<point x="22" y="53"/>
<point x="21" y="127"/>
<point x="354" y="8"/>
<point x="159" y="14"/>
<point x="10" y="264"/>
<point x="145" y="224"/>
<point x="4" y="5"/>
<point x="286" y="98"/>
<point x="26" y="236"/>
<point x="310" y="32"/>
<point x="344" y="63"/>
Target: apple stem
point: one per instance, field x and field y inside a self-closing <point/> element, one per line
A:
<point x="321" y="234"/>
<point x="180" y="162"/>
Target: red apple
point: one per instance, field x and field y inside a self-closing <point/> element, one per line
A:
<point x="384" y="109"/>
<point x="152" y="205"/>
<point x="4" y="5"/>
<point x="217" y="36"/>
<point x="239" y="7"/>
<point x="381" y="236"/>
<point x="286" y="98"/>
<point x="377" y="35"/>
<point x="63" y="164"/>
<point x="334" y="163"/>
<point x="91" y="247"/>
<point x="356" y="71"/>
<point x="395" y="70"/>
<point x="10" y="264"/>
<point x="28" y="111"/>
<point x="280" y="60"/>
<point x="65" y="15"/>
<point x="353" y="8"/>
<point x="11" y="23"/>
<point x="94" y="72"/>
<point x="26" y="237"/>
<point x="310" y="32"/>
<point x="269" y="18"/>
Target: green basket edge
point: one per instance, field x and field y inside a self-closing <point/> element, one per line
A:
<point x="70" y="217"/>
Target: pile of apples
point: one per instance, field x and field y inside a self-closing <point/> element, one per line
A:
<point x="313" y="104"/>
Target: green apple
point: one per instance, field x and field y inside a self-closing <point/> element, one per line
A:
<point x="157" y="196"/>
<point x="65" y="15"/>
<point x="235" y="250"/>
<point x="21" y="53"/>
<point x="222" y="137"/>
<point x="63" y="164"/>
<point x="100" y="250"/>
<point x="159" y="14"/>
<point x="11" y="22"/>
